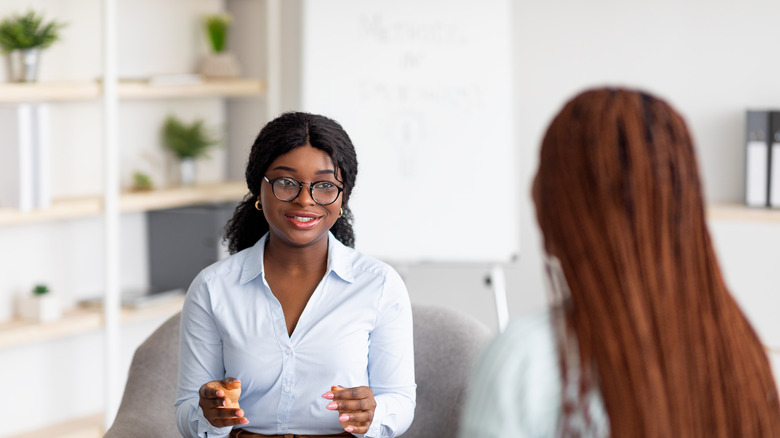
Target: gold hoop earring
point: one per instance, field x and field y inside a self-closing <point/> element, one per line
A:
<point x="341" y="212"/>
<point x="258" y="206"/>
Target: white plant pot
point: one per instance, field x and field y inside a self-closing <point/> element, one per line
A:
<point x="187" y="172"/>
<point x="220" y="65"/>
<point x="40" y="308"/>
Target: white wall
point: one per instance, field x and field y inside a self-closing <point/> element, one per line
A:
<point x="711" y="60"/>
<point x="696" y="54"/>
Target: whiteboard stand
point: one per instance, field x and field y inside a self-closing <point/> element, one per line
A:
<point x="497" y="282"/>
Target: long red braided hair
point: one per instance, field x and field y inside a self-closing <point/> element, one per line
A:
<point x="619" y="202"/>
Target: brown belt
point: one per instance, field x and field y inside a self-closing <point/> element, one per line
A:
<point x="241" y="433"/>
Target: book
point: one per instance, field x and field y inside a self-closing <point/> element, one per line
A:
<point x="757" y="161"/>
<point x="24" y="170"/>
<point x="774" y="159"/>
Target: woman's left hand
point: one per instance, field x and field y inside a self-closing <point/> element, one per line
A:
<point x="355" y="405"/>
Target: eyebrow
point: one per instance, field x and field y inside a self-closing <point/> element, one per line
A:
<point x="319" y="172"/>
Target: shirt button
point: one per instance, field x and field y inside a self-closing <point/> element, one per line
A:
<point x="283" y="427"/>
<point x="288" y="351"/>
<point x="286" y="389"/>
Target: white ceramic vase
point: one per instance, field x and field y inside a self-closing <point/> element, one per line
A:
<point x="220" y="65"/>
<point x="39" y="308"/>
<point x="187" y="172"/>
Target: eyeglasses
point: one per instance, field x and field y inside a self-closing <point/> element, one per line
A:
<point x="286" y="189"/>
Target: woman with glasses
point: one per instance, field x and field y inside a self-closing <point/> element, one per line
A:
<point x="643" y="338"/>
<point x="296" y="333"/>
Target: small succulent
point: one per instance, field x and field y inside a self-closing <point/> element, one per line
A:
<point x="40" y="289"/>
<point x="217" y="26"/>
<point x="142" y="181"/>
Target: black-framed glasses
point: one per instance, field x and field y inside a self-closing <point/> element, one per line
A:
<point x="286" y="189"/>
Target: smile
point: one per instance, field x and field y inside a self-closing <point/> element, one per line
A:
<point x="303" y="222"/>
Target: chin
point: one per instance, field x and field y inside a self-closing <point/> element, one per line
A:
<point x="302" y="239"/>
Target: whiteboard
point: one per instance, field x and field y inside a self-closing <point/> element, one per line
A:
<point x="424" y="90"/>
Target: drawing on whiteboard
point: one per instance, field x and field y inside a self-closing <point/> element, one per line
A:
<point x="408" y="135"/>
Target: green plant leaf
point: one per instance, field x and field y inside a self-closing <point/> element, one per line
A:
<point x="187" y="140"/>
<point x="40" y="289"/>
<point x="217" y="28"/>
<point x="22" y="32"/>
<point x="142" y="181"/>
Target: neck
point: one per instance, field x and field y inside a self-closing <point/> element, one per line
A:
<point x="297" y="259"/>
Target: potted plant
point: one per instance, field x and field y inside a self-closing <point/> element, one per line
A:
<point x="188" y="142"/>
<point x="142" y="182"/>
<point x="219" y="62"/>
<point x="39" y="305"/>
<point x="22" y="37"/>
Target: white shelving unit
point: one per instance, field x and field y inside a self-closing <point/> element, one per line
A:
<point x="110" y="92"/>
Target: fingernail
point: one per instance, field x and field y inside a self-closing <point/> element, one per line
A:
<point x="239" y="413"/>
<point x="328" y="395"/>
<point x="349" y="429"/>
<point x="335" y="387"/>
<point x="344" y="417"/>
<point x="244" y="421"/>
<point x="332" y="405"/>
<point x="220" y="394"/>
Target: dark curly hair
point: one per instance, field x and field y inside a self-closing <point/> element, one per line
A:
<point x="281" y="135"/>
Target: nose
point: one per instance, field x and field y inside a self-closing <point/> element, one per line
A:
<point x="304" y="196"/>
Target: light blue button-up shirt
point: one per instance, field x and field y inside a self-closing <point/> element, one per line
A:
<point x="356" y="330"/>
<point x="516" y="389"/>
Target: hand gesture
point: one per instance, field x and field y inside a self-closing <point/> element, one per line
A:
<point x="355" y="405"/>
<point x="219" y="402"/>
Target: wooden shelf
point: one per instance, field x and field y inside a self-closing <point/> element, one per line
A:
<point x="741" y="212"/>
<point x="77" y="321"/>
<point x="76" y="208"/>
<point x="48" y="91"/>
<point x="90" y="90"/>
<point x="209" y="88"/>
<point x="180" y="197"/>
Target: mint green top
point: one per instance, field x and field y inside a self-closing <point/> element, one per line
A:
<point x="515" y="390"/>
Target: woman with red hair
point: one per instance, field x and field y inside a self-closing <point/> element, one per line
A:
<point x="643" y="338"/>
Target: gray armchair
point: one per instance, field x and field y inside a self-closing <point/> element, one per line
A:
<point x="446" y="343"/>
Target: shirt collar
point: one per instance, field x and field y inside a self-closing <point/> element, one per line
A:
<point x="339" y="260"/>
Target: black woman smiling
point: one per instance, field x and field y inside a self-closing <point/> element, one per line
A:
<point x="296" y="333"/>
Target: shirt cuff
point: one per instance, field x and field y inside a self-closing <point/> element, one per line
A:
<point x="377" y="429"/>
<point x="204" y="427"/>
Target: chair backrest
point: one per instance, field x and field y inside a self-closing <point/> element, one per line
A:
<point x="446" y="344"/>
<point x="147" y="404"/>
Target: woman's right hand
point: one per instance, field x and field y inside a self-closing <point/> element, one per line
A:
<point x="219" y="402"/>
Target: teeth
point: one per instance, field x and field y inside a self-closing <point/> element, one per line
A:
<point x="303" y="219"/>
